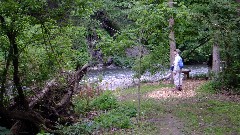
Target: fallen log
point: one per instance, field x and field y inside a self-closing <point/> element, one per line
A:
<point x="48" y="106"/>
<point x="35" y="99"/>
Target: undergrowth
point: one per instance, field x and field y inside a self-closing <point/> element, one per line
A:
<point x="100" y="114"/>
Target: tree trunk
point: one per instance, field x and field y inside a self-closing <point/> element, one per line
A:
<point x="171" y="39"/>
<point x="94" y="51"/>
<point x="216" y="60"/>
<point x="4" y="75"/>
<point x="21" y="98"/>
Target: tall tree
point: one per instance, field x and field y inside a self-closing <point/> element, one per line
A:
<point x="172" y="41"/>
<point x="219" y="20"/>
<point x="37" y="45"/>
<point x="216" y="60"/>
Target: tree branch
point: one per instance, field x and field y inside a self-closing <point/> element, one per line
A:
<point x="202" y="42"/>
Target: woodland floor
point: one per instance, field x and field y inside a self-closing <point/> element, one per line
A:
<point x="169" y="124"/>
<point x="169" y="110"/>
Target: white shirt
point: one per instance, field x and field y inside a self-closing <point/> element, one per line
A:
<point x="175" y="63"/>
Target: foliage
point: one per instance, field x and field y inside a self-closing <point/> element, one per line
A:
<point x="208" y="88"/>
<point x="81" y="105"/>
<point x="151" y="31"/>
<point x="51" y="37"/>
<point x="78" y="128"/>
<point x="37" y="43"/>
<point x="46" y="40"/>
<point x="105" y="101"/>
<point x="113" y="119"/>
<point x="4" y="131"/>
<point x="122" y="61"/>
<point x="111" y="115"/>
<point x="214" y="22"/>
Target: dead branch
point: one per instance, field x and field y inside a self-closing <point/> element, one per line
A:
<point x="39" y="96"/>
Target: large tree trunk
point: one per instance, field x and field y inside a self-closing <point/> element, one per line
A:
<point x="3" y="77"/>
<point x="172" y="41"/>
<point x="216" y="60"/>
<point x="16" y="79"/>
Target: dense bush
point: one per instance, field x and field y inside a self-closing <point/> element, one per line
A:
<point x="105" y="101"/>
<point x="113" y="119"/>
<point x="230" y="78"/>
<point x="108" y="114"/>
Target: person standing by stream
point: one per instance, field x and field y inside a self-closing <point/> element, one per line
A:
<point x="177" y="70"/>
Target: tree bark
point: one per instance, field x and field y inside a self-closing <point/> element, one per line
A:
<point x="35" y="99"/>
<point x="8" y="60"/>
<point x="216" y="60"/>
<point x="172" y="41"/>
<point x="4" y="75"/>
<point x="16" y="79"/>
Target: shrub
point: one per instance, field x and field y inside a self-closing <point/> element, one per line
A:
<point x="81" y="105"/>
<point x="208" y="87"/>
<point x="105" y="101"/>
<point x="78" y="128"/>
<point x="4" y="131"/>
<point x="118" y="117"/>
<point x="112" y="119"/>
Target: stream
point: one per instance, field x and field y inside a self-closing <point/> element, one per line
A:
<point x="121" y="78"/>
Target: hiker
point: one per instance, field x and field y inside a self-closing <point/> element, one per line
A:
<point x="178" y="65"/>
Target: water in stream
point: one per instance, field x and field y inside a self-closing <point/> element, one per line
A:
<point x="113" y="78"/>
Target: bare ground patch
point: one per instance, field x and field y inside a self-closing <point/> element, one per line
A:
<point x="189" y="90"/>
<point x="169" y="125"/>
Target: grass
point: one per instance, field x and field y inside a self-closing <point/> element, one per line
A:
<point x="115" y="112"/>
<point x="206" y="113"/>
<point x="210" y="116"/>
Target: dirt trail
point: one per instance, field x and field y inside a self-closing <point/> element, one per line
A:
<point x="168" y="123"/>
